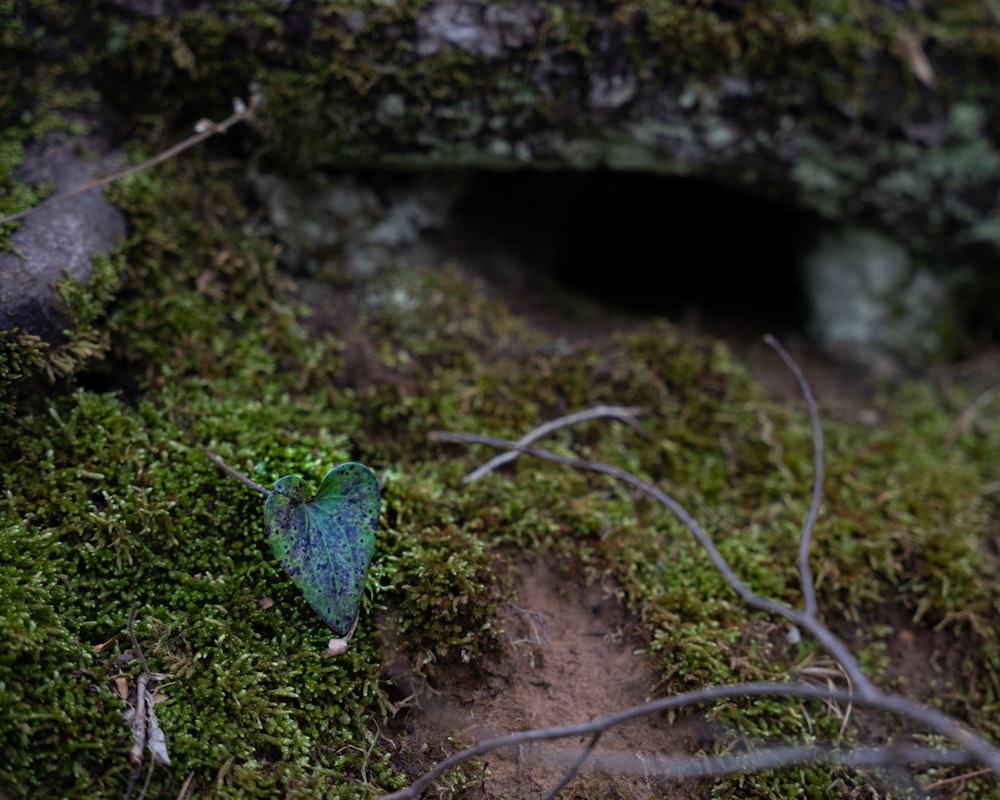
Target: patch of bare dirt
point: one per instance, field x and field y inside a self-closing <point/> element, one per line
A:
<point x="567" y="658"/>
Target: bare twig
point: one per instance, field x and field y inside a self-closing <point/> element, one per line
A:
<point x="575" y="767"/>
<point x="537" y="616"/>
<point x="832" y="644"/>
<point x="139" y="722"/>
<point x="970" y="746"/>
<point x="969" y="415"/>
<point x="204" y="128"/>
<point x="776" y="757"/>
<point x="186" y="786"/>
<point x="234" y="473"/>
<point x="149" y="778"/>
<point x="862" y="692"/>
<point x="957" y="779"/>
<point x="146" y="731"/>
<point x="805" y="574"/>
<point x="624" y="414"/>
<point x="135" y="642"/>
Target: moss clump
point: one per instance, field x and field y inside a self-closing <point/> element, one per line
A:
<point x="22" y="357"/>
<point x="113" y="510"/>
<point x="29" y="367"/>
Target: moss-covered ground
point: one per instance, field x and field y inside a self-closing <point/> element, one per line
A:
<point x="190" y="337"/>
<point x="109" y="504"/>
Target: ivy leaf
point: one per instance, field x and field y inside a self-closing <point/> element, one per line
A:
<point x="326" y="544"/>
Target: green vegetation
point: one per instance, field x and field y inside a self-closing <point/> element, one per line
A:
<point x="108" y="504"/>
<point x="189" y="334"/>
<point x="325" y="539"/>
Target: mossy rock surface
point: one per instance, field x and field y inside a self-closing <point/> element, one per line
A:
<point x="109" y="504"/>
<point x="857" y="111"/>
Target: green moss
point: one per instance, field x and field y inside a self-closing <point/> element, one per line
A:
<point x="191" y="334"/>
<point x="30" y="366"/>
<point x="109" y="504"/>
<point x="22" y="357"/>
<point x="113" y="506"/>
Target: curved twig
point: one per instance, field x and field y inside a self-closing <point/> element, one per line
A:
<point x="575" y="767"/>
<point x="831" y="643"/>
<point x="970" y="746"/>
<point x="204" y="128"/>
<point x="624" y="414"/>
<point x="234" y="473"/>
<point x="805" y="574"/>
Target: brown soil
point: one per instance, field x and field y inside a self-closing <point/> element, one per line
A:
<point x="567" y="658"/>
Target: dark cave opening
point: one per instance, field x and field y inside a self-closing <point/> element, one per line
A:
<point x="640" y="245"/>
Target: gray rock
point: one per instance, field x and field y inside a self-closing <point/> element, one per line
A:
<point x="487" y="31"/>
<point x="343" y="229"/>
<point x="870" y="301"/>
<point x="57" y="239"/>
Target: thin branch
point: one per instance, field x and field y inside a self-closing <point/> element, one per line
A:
<point x="969" y="745"/>
<point x="575" y="767"/>
<point x="777" y="757"/>
<point x="863" y="693"/>
<point x="831" y="643"/>
<point x="186" y="786"/>
<point x="957" y="779"/>
<point x="538" y="616"/>
<point x="204" y="128"/>
<point x="149" y="778"/>
<point x="238" y="475"/>
<point x="805" y="543"/>
<point x="969" y="415"/>
<point x="139" y="722"/>
<point x="135" y="642"/>
<point x="624" y="414"/>
<point x="146" y="732"/>
<point x="232" y="472"/>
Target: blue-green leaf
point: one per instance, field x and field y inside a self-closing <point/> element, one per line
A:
<point x="326" y="544"/>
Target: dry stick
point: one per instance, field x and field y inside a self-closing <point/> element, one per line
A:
<point x="139" y="718"/>
<point x="186" y="786"/>
<point x="575" y="767"/>
<point x="956" y="779"/>
<point x="807" y="621"/>
<point x="230" y="471"/>
<point x="139" y="737"/>
<point x="970" y="747"/>
<point x="625" y="414"/>
<point x="204" y="128"/>
<point x="679" y="767"/>
<point x="539" y="618"/>
<point x="135" y="642"/>
<point x="967" y="417"/>
<point x="139" y="722"/>
<point x="867" y="694"/>
<point x="805" y="574"/>
<point x="149" y="778"/>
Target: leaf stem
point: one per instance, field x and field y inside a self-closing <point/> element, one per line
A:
<point x="242" y="112"/>
<point x="239" y="476"/>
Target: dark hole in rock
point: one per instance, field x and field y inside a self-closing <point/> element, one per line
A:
<point x="638" y="244"/>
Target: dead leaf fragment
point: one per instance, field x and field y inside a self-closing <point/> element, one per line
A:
<point x="100" y="648"/>
<point x="914" y="50"/>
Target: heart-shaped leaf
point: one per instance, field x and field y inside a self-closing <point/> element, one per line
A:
<point x="326" y="544"/>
